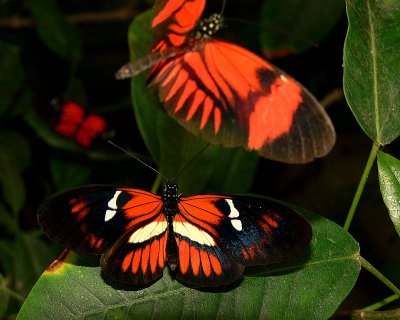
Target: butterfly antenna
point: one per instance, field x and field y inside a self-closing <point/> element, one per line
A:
<point x="135" y="157"/>
<point x="223" y="7"/>
<point x="190" y="161"/>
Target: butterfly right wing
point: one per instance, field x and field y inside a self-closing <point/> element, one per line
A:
<point x="91" y="219"/>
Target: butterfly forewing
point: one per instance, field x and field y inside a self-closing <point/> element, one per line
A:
<point x="251" y="230"/>
<point x="91" y="219"/>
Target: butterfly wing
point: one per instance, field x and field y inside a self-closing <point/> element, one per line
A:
<point x="218" y="236"/>
<point x="174" y="20"/>
<point x="229" y="95"/>
<point x="91" y="219"/>
<point x="90" y="128"/>
<point x="70" y="117"/>
<point x="139" y="256"/>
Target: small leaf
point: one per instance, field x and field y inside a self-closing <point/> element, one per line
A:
<point x="296" y="25"/>
<point x="14" y="158"/>
<point x="4" y="296"/>
<point x="308" y="288"/>
<point x="372" y="67"/>
<point x="58" y="35"/>
<point x="389" y="180"/>
<point x="12" y="75"/>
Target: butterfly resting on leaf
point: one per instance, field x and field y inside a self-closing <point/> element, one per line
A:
<point x="225" y="93"/>
<point x="205" y="240"/>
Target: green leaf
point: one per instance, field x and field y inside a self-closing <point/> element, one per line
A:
<point x="14" y="158"/>
<point x="308" y="288"/>
<point x="296" y="25"/>
<point x="31" y="256"/>
<point x="372" y="67"/>
<point x="4" y="296"/>
<point x="12" y="75"/>
<point x="58" y="35"/>
<point x="389" y="180"/>
<point x="68" y="172"/>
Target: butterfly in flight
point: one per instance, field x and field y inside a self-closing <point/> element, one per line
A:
<point x="225" y="93"/>
<point x="205" y="240"/>
<point x="75" y="123"/>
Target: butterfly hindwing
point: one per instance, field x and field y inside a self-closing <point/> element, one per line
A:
<point x="91" y="219"/>
<point x="202" y="259"/>
<point x="139" y="256"/>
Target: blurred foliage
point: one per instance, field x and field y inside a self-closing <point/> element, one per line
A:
<point x="70" y="50"/>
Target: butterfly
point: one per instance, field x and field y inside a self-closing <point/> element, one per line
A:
<point x="225" y="93"/>
<point x="205" y="240"/>
<point x="75" y="123"/>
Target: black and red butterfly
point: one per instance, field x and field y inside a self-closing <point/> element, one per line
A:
<point x="225" y="93"/>
<point x="74" y="122"/>
<point x="205" y="240"/>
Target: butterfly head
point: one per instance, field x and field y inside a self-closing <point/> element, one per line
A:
<point x="170" y="198"/>
<point x="206" y="28"/>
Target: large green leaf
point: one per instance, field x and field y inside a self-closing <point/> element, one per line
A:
<point x="295" y="25"/>
<point x="58" y="35"/>
<point x="372" y="67"/>
<point x="170" y="145"/>
<point x="311" y="287"/>
<point x="14" y="158"/>
<point x="4" y="296"/>
<point x="389" y="179"/>
<point x="12" y="75"/>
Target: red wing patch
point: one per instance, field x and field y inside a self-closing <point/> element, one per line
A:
<point x="73" y="122"/>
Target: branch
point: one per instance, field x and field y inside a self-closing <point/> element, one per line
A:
<point x="121" y="14"/>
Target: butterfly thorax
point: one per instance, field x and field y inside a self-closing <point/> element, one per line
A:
<point x="208" y="27"/>
<point x="170" y="199"/>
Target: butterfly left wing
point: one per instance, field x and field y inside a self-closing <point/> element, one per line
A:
<point x="91" y="219"/>
<point x="90" y="128"/>
<point x="219" y="235"/>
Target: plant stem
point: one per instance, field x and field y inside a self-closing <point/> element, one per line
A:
<point x="361" y="186"/>
<point x="365" y="264"/>
<point x="156" y="184"/>
<point x="380" y="304"/>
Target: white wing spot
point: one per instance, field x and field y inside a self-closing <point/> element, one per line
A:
<point x="149" y="231"/>
<point x="237" y="224"/>
<point x="190" y="231"/>
<point x="113" y="205"/>
<point x="234" y="212"/>
<point x="283" y="78"/>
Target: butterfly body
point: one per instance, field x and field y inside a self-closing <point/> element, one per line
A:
<point x="205" y="240"/>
